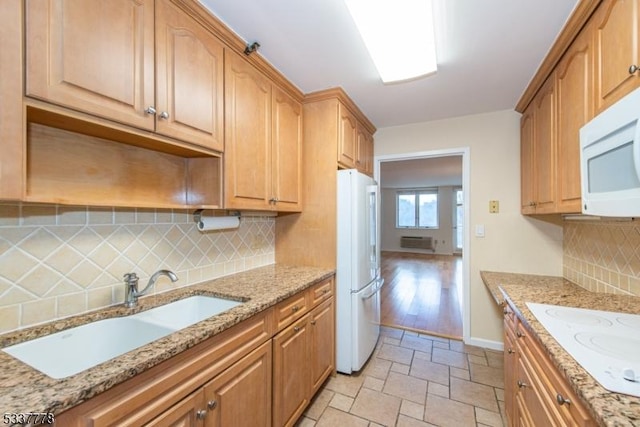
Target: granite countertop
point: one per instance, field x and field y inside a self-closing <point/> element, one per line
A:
<point x="25" y="389"/>
<point x="607" y="408"/>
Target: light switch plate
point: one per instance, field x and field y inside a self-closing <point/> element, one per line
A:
<point x="480" y="230"/>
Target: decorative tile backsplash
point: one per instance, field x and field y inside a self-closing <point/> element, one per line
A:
<point x="58" y="261"/>
<point x="603" y="256"/>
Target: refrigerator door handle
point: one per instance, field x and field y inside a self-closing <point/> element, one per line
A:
<point x="372" y="191"/>
<point x="374" y="289"/>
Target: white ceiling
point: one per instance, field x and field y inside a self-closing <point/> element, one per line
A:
<point x="488" y="52"/>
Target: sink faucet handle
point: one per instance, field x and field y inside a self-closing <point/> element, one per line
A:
<point x="131" y="279"/>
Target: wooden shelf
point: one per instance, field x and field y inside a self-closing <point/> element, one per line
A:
<point x="67" y="167"/>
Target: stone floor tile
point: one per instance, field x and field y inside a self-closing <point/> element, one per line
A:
<point x="305" y="422"/>
<point x="448" y="413"/>
<point x="406" y="387"/>
<point x="376" y="407"/>
<point x="487" y="375"/>
<point x="341" y="402"/>
<point x="386" y="331"/>
<point x="488" y="418"/>
<point x="415" y="342"/>
<point x="333" y="417"/>
<point x="495" y="358"/>
<point x="395" y="354"/>
<point x="436" y="338"/>
<point x="405" y="421"/>
<point x="441" y="344"/>
<point x="377" y="368"/>
<point x="463" y="374"/>
<point x="438" y="389"/>
<point x="451" y="358"/>
<point x="319" y="404"/>
<point x="410" y="334"/>
<point x="499" y="394"/>
<point x="474" y="394"/>
<point x="345" y="384"/>
<point x="430" y="371"/>
<point x="391" y="340"/>
<point x="373" y="383"/>
<point x="477" y="360"/>
<point x="422" y="355"/>
<point x="412" y="409"/>
<point x="456" y="345"/>
<point x="400" y="368"/>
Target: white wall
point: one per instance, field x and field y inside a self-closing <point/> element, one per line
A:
<point x="443" y="235"/>
<point x="512" y="242"/>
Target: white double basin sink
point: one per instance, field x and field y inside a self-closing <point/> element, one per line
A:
<point x="74" y="350"/>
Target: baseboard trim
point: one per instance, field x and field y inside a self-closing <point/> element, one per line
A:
<point x="479" y="342"/>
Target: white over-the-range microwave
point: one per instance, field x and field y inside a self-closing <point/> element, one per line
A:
<point x="610" y="160"/>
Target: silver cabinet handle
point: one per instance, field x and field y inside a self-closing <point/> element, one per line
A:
<point x="522" y="384"/>
<point x="150" y="110"/>
<point x="201" y="414"/>
<point x="519" y="334"/>
<point x="164" y="115"/>
<point x="510" y="351"/>
<point x="212" y="404"/>
<point x="633" y="69"/>
<point x="295" y="308"/>
<point x="561" y="400"/>
<point x="296" y="328"/>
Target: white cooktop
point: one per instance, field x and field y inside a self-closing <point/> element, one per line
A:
<point x="606" y="344"/>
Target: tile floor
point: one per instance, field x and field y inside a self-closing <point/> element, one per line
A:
<point x="415" y="380"/>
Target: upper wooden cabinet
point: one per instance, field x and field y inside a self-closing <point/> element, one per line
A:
<point x="347" y="138"/>
<point x="538" y="144"/>
<point x="136" y="62"/>
<point x="574" y="92"/>
<point x="593" y="55"/>
<point x="189" y="73"/>
<point x="364" y="160"/>
<point x="617" y="48"/>
<point x="263" y="128"/>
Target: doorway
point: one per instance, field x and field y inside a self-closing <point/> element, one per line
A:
<point x="428" y="281"/>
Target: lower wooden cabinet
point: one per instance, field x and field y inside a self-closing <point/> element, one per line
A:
<point x="226" y="399"/>
<point x="303" y="358"/>
<point x="262" y="372"/>
<point x="535" y="392"/>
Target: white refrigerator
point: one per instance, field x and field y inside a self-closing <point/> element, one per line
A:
<point x="358" y="280"/>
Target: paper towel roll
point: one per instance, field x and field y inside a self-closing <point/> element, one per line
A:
<point x="218" y="223"/>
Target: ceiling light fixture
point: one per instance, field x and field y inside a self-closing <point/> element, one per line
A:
<point x="399" y="36"/>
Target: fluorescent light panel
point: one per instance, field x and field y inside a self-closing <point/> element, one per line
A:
<point x="399" y="35"/>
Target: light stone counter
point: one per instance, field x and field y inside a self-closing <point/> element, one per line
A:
<point x="607" y="408"/>
<point x="24" y="389"/>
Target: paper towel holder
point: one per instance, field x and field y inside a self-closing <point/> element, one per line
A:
<point x="197" y="215"/>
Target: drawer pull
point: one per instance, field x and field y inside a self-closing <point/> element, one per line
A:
<point x="295" y="308"/>
<point x="510" y="351"/>
<point x="633" y="69"/>
<point x="297" y="328"/>
<point x="325" y="291"/>
<point x="522" y="384"/>
<point x="313" y="322"/>
<point x="519" y="334"/>
<point x="201" y="414"/>
<point x="212" y="404"/>
<point x="561" y="400"/>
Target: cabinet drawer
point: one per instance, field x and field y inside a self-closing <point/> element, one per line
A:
<point x="291" y="310"/>
<point x="558" y="393"/>
<point x="510" y="318"/>
<point x="321" y="292"/>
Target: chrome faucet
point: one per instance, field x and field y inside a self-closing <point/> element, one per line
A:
<point x="131" y="292"/>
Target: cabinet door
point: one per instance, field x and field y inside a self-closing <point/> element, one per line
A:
<point x="291" y="376"/>
<point x="241" y="395"/>
<point x="286" y="152"/>
<point x="574" y="79"/>
<point x="527" y="154"/>
<point x="189" y="79"/>
<point x="616" y="49"/>
<point x="510" y="366"/>
<point x="247" y="160"/>
<point x="544" y="138"/>
<point x="347" y="138"/>
<point x="94" y="56"/>
<point x="189" y="412"/>
<point x="364" y="160"/>
<point x="322" y="326"/>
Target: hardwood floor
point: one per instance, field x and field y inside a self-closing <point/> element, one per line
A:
<point x="422" y="293"/>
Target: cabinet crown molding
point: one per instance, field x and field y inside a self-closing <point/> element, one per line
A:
<point x="339" y="94"/>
